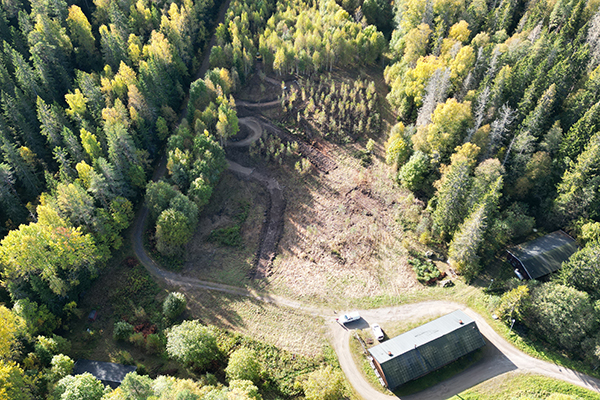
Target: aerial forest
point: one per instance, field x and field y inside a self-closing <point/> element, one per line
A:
<point x="496" y="131"/>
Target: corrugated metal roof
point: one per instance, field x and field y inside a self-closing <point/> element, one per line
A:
<point x="109" y="373"/>
<point x="427" y="348"/>
<point x="545" y="254"/>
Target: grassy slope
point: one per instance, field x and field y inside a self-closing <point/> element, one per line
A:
<point x="525" y="386"/>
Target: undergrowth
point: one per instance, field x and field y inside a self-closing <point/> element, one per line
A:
<point x="231" y="236"/>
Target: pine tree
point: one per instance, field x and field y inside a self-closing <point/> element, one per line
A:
<point x="72" y="145"/>
<point x="19" y="113"/>
<point x="89" y="86"/>
<point x="500" y="127"/>
<point x="453" y="190"/>
<point x="578" y="136"/>
<point x="24" y="74"/>
<point x="435" y="93"/>
<point x="536" y="122"/>
<point x="113" y="45"/>
<point x="12" y="208"/>
<point x="81" y="35"/>
<point x="65" y="171"/>
<point x="578" y="188"/>
<point x="51" y="49"/>
<point x="593" y="38"/>
<point x="51" y="122"/>
<point x="25" y="173"/>
<point x="463" y="253"/>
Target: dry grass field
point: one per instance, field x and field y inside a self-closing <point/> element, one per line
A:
<point x="283" y="327"/>
<point x="341" y="240"/>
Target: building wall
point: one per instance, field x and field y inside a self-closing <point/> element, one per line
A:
<point x="376" y="363"/>
<point x="514" y="261"/>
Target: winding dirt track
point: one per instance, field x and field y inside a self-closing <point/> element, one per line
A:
<point x="499" y="356"/>
<point x="273" y="226"/>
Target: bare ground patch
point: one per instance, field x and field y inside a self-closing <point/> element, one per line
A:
<point x="341" y="240"/>
<point x="209" y="260"/>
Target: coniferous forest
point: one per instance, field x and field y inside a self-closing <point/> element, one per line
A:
<point x="487" y="113"/>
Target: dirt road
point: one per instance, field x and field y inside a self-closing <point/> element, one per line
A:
<point x="499" y="355"/>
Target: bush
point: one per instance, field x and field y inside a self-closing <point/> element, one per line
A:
<point x="192" y="344"/>
<point x="154" y="344"/>
<point x="123" y="357"/>
<point x="324" y="384"/>
<point x="174" y="305"/>
<point x="426" y="271"/>
<point x="138" y="340"/>
<point x="243" y="365"/>
<point x="141" y="369"/>
<point x="122" y="330"/>
<point x="230" y="236"/>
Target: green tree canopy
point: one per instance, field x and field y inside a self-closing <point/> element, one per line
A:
<point x="173" y="230"/>
<point x="582" y="270"/>
<point x="324" y="384"/>
<point x="192" y="344"/>
<point x="563" y="315"/>
<point x="79" y="387"/>
<point x="243" y="365"/>
<point x="49" y="250"/>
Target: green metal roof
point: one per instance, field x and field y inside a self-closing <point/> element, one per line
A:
<point x="545" y="254"/>
<point x="110" y="374"/>
<point x="427" y="348"/>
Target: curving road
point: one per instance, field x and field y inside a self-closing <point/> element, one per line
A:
<point x="499" y="355"/>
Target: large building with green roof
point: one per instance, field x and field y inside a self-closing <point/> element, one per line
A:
<point x="542" y="256"/>
<point x="426" y="348"/>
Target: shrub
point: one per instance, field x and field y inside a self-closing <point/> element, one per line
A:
<point x="193" y="344"/>
<point x="174" y="305"/>
<point x="426" y="271"/>
<point x="230" y="236"/>
<point x="138" y="340"/>
<point x="122" y="330"/>
<point x="123" y="357"/>
<point x="243" y="365"/>
<point x="141" y="369"/>
<point x="154" y="344"/>
<point x="324" y="384"/>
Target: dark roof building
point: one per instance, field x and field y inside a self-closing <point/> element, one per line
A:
<point x="426" y="348"/>
<point x="543" y="255"/>
<point x="110" y="374"/>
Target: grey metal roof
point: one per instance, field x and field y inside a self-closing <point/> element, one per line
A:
<point x="427" y="348"/>
<point x="109" y="373"/>
<point x="545" y="254"/>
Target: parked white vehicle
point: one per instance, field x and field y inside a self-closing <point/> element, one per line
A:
<point x="353" y="316"/>
<point x="377" y="332"/>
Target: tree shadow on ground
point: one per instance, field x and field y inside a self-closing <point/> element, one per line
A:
<point x="490" y="364"/>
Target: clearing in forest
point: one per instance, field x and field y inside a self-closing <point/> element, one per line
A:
<point x="341" y="241"/>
